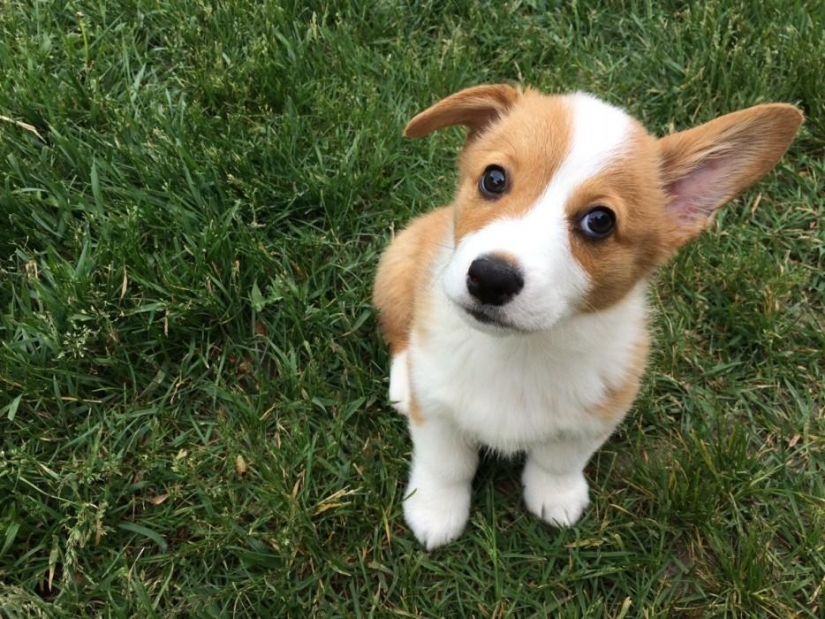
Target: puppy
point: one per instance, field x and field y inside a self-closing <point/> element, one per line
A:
<point x="516" y="316"/>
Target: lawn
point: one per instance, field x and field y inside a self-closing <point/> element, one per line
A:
<point x="193" y="413"/>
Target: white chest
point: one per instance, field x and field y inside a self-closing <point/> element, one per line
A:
<point x="509" y="392"/>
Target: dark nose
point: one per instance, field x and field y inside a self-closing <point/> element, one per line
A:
<point x="493" y="281"/>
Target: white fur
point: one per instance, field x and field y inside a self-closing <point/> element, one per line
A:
<point x="400" y="383"/>
<point x="525" y="392"/>
<point x="510" y="393"/>
<point x="530" y="390"/>
<point x="555" y="489"/>
<point x="438" y="495"/>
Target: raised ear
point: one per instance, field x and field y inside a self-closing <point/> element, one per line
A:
<point x="473" y="107"/>
<point x="707" y="166"/>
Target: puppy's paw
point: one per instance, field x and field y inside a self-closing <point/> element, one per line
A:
<point x="437" y="515"/>
<point x="559" y="500"/>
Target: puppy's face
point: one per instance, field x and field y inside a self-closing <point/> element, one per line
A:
<point x="565" y="203"/>
<point x="558" y="211"/>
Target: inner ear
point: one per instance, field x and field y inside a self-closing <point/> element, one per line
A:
<point x="474" y="108"/>
<point x="705" y="167"/>
<point x="698" y="193"/>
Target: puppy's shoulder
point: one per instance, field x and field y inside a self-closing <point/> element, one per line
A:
<point x="404" y="269"/>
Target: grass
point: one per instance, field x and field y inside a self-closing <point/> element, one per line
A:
<point x="193" y="415"/>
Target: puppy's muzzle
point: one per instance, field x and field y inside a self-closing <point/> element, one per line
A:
<point x="493" y="281"/>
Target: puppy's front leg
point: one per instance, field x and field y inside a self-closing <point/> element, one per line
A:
<point x="554" y="485"/>
<point x="438" y="496"/>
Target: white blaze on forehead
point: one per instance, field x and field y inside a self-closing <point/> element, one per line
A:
<point x="539" y="239"/>
<point x="600" y="132"/>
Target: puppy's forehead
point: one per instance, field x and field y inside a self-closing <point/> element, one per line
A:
<point x="537" y="130"/>
<point x="600" y="133"/>
<point x="566" y="139"/>
<point x="550" y="147"/>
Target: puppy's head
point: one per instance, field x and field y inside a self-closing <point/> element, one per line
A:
<point x="565" y="203"/>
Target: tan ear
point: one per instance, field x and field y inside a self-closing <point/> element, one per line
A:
<point x="707" y="166"/>
<point x="472" y="107"/>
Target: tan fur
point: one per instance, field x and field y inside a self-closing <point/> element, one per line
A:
<point x="618" y="399"/>
<point x="655" y="173"/>
<point x="641" y="240"/>
<point x="402" y="273"/>
<point x="742" y="146"/>
<point x="530" y="143"/>
<point x="475" y="108"/>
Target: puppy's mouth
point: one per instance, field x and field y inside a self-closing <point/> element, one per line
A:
<point x="488" y="318"/>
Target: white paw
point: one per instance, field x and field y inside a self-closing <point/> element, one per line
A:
<point x="400" y="383"/>
<point x="559" y="500"/>
<point x="437" y="515"/>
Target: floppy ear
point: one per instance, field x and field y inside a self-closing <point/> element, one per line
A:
<point x="474" y="107"/>
<point x="705" y="167"/>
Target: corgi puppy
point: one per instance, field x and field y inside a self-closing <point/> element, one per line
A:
<point x="516" y="316"/>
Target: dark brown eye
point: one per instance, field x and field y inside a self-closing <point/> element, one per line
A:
<point x="493" y="182"/>
<point x="598" y="222"/>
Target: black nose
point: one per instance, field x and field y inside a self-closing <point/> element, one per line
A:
<point x="493" y="281"/>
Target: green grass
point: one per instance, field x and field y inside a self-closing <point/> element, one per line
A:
<point x="193" y="419"/>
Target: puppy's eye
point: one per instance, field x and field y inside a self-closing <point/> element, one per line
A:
<point x="493" y="182"/>
<point x="598" y="222"/>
